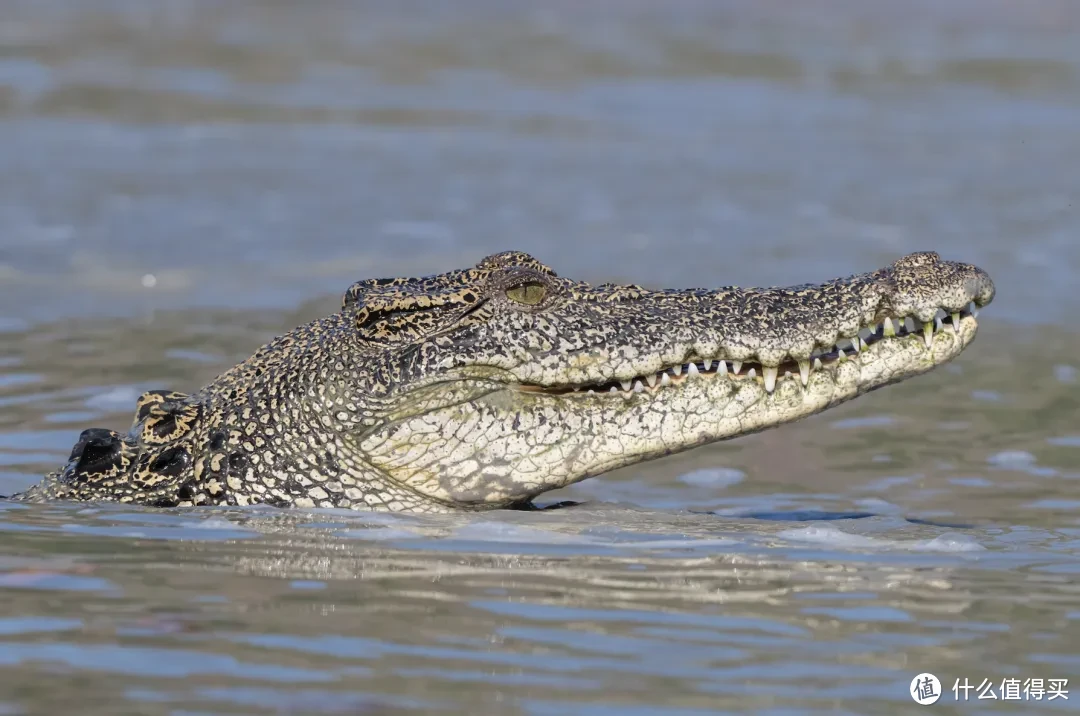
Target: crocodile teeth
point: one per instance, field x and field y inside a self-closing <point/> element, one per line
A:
<point x="664" y="379"/>
<point x="638" y="387"/>
<point x="840" y="355"/>
<point x="626" y="385"/>
<point x="677" y="369"/>
<point x="692" y="370"/>
<point x="937" y="323"/>
<point x="591" y="392"/>
<point x="804" y="370"/>
<point x="721" y="367"/>
<point x="887" y="329"/>
<point x="855" y="344"/>
<point x="706" y="364"/>
<point x="973" y="310"/>
<point x="865" y="345"/>
<point x="817" y="366"/>
<point x="651" y="380"/>
<point x="928" y="333"/>
<point x="751" y="373"/>
<point x="955" y="323"/>
<point x="613" y="389"/>
<point x="736" y="366"/>
<point x="769" y="373"/>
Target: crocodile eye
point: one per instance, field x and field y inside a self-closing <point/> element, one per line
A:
<point x="529" y="294"/>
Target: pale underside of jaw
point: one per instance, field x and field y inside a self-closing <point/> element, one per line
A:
<point x="845" y="349"/>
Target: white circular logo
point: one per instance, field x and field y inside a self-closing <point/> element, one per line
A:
<point x="925" y="689"/>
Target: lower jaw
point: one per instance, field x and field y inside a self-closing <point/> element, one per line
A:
<point x="556" y="440"/>
<point x="712" y="410"/>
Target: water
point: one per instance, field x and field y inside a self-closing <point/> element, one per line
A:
<point x="184" y="179"/>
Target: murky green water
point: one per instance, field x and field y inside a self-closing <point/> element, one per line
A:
<point x="182" y="180"/>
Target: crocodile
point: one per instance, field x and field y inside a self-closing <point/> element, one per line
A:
<point x="485" y="387"/>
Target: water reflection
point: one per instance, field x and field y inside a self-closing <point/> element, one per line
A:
<point x="583" y="603"/>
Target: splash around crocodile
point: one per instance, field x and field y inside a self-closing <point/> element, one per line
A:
<point x="485" y="387"/>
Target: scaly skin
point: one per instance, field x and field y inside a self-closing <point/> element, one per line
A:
<point x="486" y="387"/>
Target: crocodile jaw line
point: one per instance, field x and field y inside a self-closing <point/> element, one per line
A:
<point x="547" y="439"/>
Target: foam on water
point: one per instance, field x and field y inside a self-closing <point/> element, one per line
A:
<point x="830" y="536"/>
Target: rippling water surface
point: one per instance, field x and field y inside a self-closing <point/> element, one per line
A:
<point x="182" y="180"/>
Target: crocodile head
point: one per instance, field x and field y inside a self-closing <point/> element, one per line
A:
<point x="495" y="384"/>
<point x="488" y="386"/>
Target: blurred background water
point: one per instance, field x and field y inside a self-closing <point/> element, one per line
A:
<point x="182" y="179"/>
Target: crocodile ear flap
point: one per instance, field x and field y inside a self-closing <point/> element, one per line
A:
<point x="404" y="317"/>
<point x="386" y="321"/>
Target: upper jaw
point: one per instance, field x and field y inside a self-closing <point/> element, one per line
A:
<point x="769" y="330"/>
<point x="959" y="323"/>
<point x="662" y="337"/>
